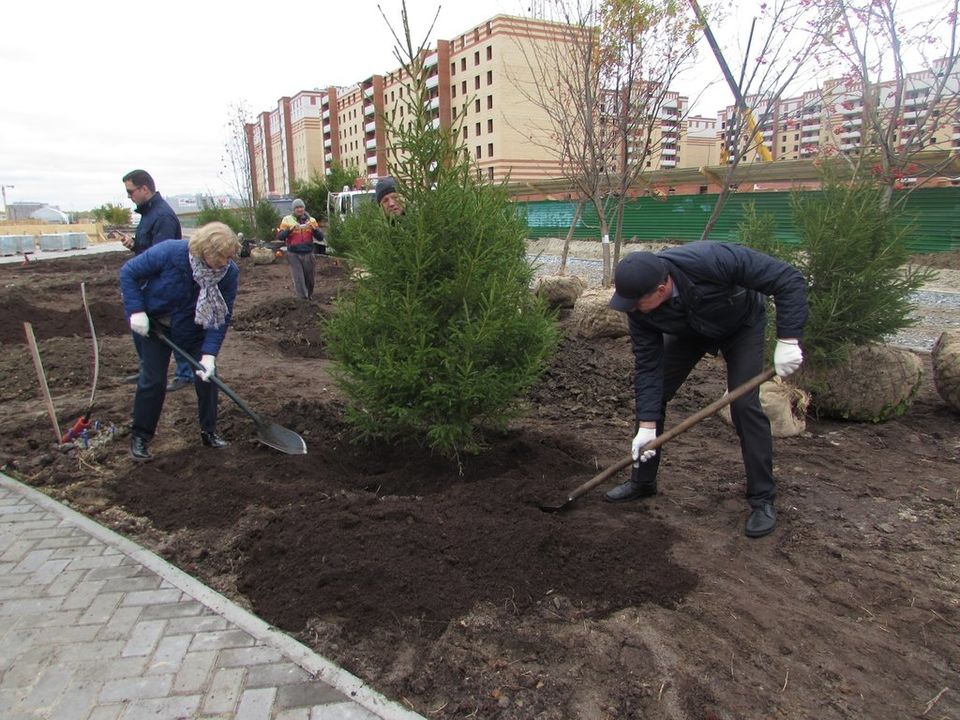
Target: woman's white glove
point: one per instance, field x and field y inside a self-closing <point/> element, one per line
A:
<point x="140" y="323"/>
<point x="787" y="357"/>
<point x="209" y="363"/>
<point x="644" y="435"/>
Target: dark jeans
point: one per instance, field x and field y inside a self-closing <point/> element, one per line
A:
<point x="184" y="369"/>
<point x="152" y="389"/>
<point x="744" y="353"/>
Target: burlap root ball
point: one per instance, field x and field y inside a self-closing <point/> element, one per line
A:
<point x="946" y="367"/>
<point x="262" y="255"/>
<point x="592" y="317"/>
<point x="785" y="406"/>
<point x="559" y="291"/>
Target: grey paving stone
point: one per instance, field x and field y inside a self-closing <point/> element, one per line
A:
<point x="136" y="688"/>
<point x="22" y="676"/>
<point x="97" y="650"/>
<point x="183" y="608"/>
<point x="101" y="608"/>
<point x="221" y="639"/>
<point x="76" y="703"/>
<point x="224" y="691"/>
<point x="15" y="552"/>
<point x="341" y="711"/>
<point x="60" y="636"/>
<point x="63" y="540"/>
<point x="110" y="712"/>
<point x="82" y="595"/>
<point x="280" y="674"/>
<point x="118" y="571"/>
<point x="115" y="669"/>
<point x="144" y="637"/>
<point x="171" y="708"/>
<point x="31" y="561"/>
<point x="96" y="562"/>
<point x="194" y="672"/>
<point x="82" y="551"/>
<point x="152" y="597"/>
<point x="130" y="584"/>
<point x="46" y="692"/>
<point x="307" y="694"/>
<point x="169" y="656"/>
<point x="256" y="704"/>
<point x="63" y="583"/>
<point x="120" y="623"/>
<point x="245" y="657"/>
<point x="58" y="618"/>
<point x="31" y="606"/>
<point x="200" y="623"/>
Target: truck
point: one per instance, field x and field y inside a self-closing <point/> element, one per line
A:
<point x="347" y="202"/>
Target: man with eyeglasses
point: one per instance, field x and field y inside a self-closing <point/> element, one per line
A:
<point x="158" y="222"/>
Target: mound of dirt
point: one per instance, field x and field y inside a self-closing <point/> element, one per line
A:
<point x="447" y="587"/>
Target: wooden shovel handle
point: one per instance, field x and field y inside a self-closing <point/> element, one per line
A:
<point x="681" y="427"/>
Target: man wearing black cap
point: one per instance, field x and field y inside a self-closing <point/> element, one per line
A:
<point x="702" y="298"/>
<point x="387" y="197"/>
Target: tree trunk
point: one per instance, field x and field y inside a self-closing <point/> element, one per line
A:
<point x="566" y="243"/>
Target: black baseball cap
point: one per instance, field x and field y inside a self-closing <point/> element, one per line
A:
<point x="638" y="274"/>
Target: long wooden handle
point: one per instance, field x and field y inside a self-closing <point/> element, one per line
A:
<point x="681" y="427"/>
<point x="96" y="349"/>
<point x="41" y="376"/>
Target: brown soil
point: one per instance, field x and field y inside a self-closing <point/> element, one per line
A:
<point x="450" y="590"/>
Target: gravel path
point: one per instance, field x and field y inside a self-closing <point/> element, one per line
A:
<point x="936" y="307"/>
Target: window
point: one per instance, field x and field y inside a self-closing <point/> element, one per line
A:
<point x="479" y="152"/>
<point x="463" y="63"/>
<point x="796" y="147"/>
<point x="783" y="148"/>
<point x="476" y="83"/>
<point x="489" y="77"/>
<point x="454" y="111"/>
<point x="489" y="102"/>
<point x="489" y="52"/>
<point x="476" y="58"/>
<point x="490" y="171"/>
<point x="490" y="125"/>
<point x="478" y="130"/>
<point x="453" y="90"/>
<point x="453" y="68"/>
<point x="463" y="87"/>
<point x="489" y="149"/>
<point x="476" y="105"/>
<point x="464" y="132"/>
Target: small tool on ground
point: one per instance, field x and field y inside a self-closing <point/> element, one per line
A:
<point x="703" y="414"/>
<point x="270" y="434"/>
<point x="42" y="378"/>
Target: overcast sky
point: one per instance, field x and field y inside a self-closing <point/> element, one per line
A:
<point x="93" y="90"/>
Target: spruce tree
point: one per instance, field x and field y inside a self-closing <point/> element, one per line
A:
<point x="440" y="337"/>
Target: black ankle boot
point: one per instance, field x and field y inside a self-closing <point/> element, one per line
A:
<point x="631" y="490"/>
<point x="138" y="449"/>
<point x="762" y="521"/>
<point x="211" y="439"/>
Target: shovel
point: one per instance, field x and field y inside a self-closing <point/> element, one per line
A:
<point x="703" y="414"/>
<point x="270" y="434"/>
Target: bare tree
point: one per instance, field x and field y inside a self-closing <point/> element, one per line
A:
<point x="236" y="163"/>
<point x="602" y="81"/>
<point x="774" y="58"/>
<point x="899" y="87"/>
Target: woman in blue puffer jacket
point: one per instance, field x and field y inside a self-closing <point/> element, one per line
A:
<point x="185" y="288"/>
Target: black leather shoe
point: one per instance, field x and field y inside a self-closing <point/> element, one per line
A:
<point x="211" y="439"/>
<point x="762" y="521"/>
<point x="631" y="490"/>
<point x="178" y="383"/>
<point x="138" y="449"/>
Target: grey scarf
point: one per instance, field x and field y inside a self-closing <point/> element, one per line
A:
<point x="211" y="307"/>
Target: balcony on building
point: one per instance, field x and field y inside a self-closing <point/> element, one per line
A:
<point x="668" y="151"/>
<point x="665" y="162"/>
<point x="372" y="161"/>
<point x="850" y="134"/>
<point x="848" y="146"/>
<point x="328" y="157"/>
<point x="433" y="104"/>
<point x="911" y="114"/>
<point x="433" y="81"/>
<point x="431" y="60"/>
<point x="370" y="126"/>
<point x="328" y="143"/>
<point x="325" y="114"/>
<point x="369" y="110"/>
<point x="368" y="92"/>
<point x="371" y="144"/>
<point x="435" y="123"/>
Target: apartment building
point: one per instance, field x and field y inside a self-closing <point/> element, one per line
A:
<point x="479" y="83"/>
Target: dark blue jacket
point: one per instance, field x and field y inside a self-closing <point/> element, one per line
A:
<point x="158" y="222"/>
<point x="721" y="288"/>
<point x="159" y="282"/>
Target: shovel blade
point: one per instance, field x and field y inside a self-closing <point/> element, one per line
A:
<point x="281" y="438"/>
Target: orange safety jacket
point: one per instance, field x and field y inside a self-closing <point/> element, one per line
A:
<point x="296" y="235"/>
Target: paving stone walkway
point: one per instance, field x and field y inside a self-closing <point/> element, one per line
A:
<point x="95" y="627"/>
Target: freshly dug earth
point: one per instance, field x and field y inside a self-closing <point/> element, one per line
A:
<point x="447" y="588"/>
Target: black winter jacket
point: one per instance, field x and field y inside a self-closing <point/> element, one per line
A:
<point x="721" y="288"/>
<point x="158" y="222"/>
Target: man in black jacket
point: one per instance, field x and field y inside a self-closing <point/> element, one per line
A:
<point x="702" y="298"/>
<point x="158" y="222"/>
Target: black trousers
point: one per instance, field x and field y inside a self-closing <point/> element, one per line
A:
<point x="152" y="389"/>
<point x="743" y="353"/>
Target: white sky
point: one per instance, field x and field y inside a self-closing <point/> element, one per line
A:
<point x="92" y="90"/>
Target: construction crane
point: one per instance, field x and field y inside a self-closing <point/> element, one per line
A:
<point x="741" y="102"/>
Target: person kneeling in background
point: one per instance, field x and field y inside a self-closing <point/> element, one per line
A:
<point x="188" y="287"/>
<point x="298" y="231"/>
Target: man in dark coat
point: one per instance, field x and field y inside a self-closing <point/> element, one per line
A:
<point x="708" y="297"/>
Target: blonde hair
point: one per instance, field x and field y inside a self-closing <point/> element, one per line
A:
<point x="215" y="239"/>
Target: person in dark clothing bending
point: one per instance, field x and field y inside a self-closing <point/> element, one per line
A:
<point x="701" y="298"/>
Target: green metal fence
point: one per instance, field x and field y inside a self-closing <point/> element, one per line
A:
<point x="931" y="215"/>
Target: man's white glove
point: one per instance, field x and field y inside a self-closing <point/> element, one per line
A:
<point x="644" y="435"/>
<point x="209" y="363"/>
<point x="140" y="323"/>
<point x="787" y="357"/>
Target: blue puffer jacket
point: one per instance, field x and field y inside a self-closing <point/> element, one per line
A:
<point x="159" y="282"/>
<point x="158" y="222"/>
<point x="722" y="288"/>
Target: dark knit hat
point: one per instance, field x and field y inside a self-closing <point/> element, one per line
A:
<point x="385" y="186"/>
<point x="638" y="274"/>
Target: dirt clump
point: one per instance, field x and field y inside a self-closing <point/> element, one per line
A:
<point x="444" y="584"/>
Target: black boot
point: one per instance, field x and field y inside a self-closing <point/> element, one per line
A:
<point x="762" y="521"/>
<point x="138" y="449"/>
<point x="211" y="439"/>
<point x="631" y="490"/>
